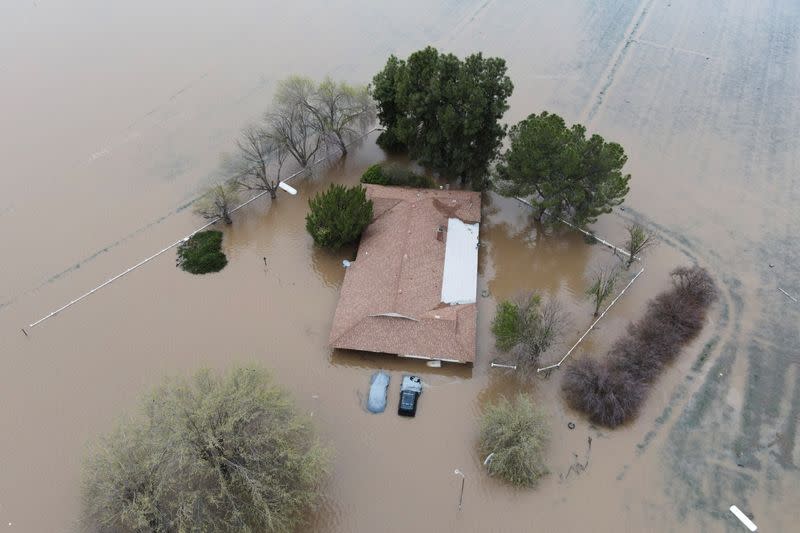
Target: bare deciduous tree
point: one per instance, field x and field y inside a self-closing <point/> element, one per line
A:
<point x="602" y="288"/>
<point x="218" y="202"/>
<point x="608" y="397"/>
<point x="258" y="162"/>
<point x="695" y="285"/>
<point x="291" y="122"/>
<point x="639" y="240"/>
<point x="342" y="111"/>
<point x="306" y="116"/>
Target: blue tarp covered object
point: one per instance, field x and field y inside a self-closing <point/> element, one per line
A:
<point x="378" y="383"/>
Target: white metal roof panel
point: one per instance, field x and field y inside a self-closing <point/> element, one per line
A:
<point x="460" y="276"/>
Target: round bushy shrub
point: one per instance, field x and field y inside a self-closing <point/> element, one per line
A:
<point x="212" y="453"/>
<point x="517" y="435"/>
<point x="202" y="253"/>
<point x="608" y="397"/>
<point x="338" y="216"/>
<point x="375" y="175"/>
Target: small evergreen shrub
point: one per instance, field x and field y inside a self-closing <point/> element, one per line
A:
<point x="202" y="253"/>
<point x="397" y="176"/>
<point x="375" y="175"/>
<point x="338" y="216"/>
<point x="517" y="434"/>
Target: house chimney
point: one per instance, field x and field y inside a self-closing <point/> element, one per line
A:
<point x="440" y="234"/>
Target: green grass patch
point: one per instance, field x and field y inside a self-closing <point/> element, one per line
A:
<point x="202" y="253"/>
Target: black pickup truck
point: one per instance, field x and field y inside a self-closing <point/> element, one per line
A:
<point x="410" y="390"/>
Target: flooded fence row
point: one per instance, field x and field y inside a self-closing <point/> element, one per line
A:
<point x="616" y="249"/>
<point x="186" y="238"/>
<point x="569" y="352"/>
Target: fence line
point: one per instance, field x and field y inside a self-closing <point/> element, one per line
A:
<point x="184" y="239"/>
<point x="550" y="367"/>
<point x="587" y="233"/>
<point x="789" y="295"/>
<point x="616" y="249"/>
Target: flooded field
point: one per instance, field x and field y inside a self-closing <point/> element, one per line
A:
<point x="115" y="117"/>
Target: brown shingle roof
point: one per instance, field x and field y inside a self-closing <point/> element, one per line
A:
<point x="399" y="270"/>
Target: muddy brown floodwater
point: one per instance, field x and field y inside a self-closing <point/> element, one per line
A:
<point x="114" y="116"/>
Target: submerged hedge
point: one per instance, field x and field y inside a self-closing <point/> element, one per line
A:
<point x="611" y="392"/>
<point x="202" y="253"/>
<point x="396" y="175"/>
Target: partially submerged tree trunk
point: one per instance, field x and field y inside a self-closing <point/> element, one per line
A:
<point x="639" y="240"/>
<point x="218" y="202"/>
<point x="292" y="123"/>
<point x="257" y="165"/>
<point x="602" y="288"/>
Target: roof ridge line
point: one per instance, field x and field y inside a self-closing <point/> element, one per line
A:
<point x="402" y="257"/>
<point x="398" y="202"/>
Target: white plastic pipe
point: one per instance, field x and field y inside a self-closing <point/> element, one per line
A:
<point x="587" y="233"/>
<point x="288" y="188"/>
<point x="743" y="518"/>
<point x="592" y="326"/>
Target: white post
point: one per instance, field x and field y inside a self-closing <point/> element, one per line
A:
<point x="463" y="478"/>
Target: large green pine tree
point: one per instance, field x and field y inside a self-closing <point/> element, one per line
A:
<point x="444" y="111"/>
<point x="560" y="171"/>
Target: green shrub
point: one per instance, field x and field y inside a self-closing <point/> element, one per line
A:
<point x="420" y="182"/>
<point x="389" y="142"/>
<point x="338" y="216"/>
<point x="526" y="327"/>
<point x="202" y="253"/>
<point x="516" y="434"/>
<point x="396" y="175"/>
<point x="375" y="175"/>
<point x="506" y="325"/>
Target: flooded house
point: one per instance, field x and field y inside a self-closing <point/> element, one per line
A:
<point x="411" y="290"/>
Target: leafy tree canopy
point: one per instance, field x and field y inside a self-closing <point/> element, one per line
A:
<point x="560" y="171"/>
<point x="446" y="112"/>
<point x="338" y="216"/>
<point x="214" y="453"/>
<point x="516" y="435"/>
